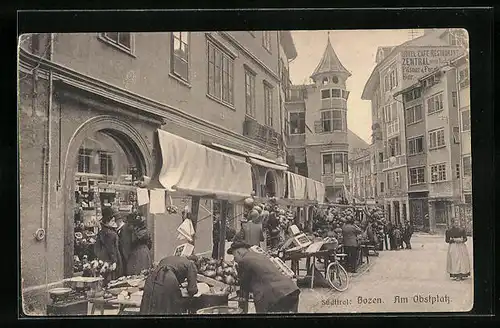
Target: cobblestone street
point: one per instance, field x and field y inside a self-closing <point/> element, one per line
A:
<point x="405" y="273"/>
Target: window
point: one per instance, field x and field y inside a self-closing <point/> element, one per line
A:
<point x="250" y="93"/>
<point x="297" y="123"/>
<point x="413" y="114"/>
<point x="417" y="175"/>
<point x="381" y="157"/>
<point x="438" y="172"/>
<point x="436" y="139"/>
<point x="179" y="64"/>
<point x="266" y="40"/>
<point x="336" y="93"/>
<point x="106" y="162"/>
<point x="454" y="100"/>
<point x="393" y="78"/>
<point x="463" y="74"/>
<point x="435" y="103"/>
<point x="394" y="147"/>
<point x="467" y="165"/>
<point x="268" y="104"/>
<point x="387" y="83"/>
<point x="468" y="198"/>
<point x="415" y="145"/>
<point x="325" y="80"/>
<point x="220" y="75"/>
<point x="332" y="120"/>
<point x="345" y="94"/>
<point x="457" y="170"/>
<point x="391" y="112"/>
<point x="84" y="156"/>
<point x="335" y="163"/>
<point x="394" y="179"/>
<point x="381" y="187"/>
<point x="456" y="134"/>
<point x="122" y="40"/>
<point x="465" y="120"/>
<point x="325" y="94"/>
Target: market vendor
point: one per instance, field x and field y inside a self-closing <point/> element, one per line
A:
<point x="162" y="291"/>
<point x="273" y="292"/>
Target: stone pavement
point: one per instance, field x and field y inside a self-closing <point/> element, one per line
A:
<point x="399" y="281"/>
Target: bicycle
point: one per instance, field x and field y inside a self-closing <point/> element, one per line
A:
<point x="336" y="275"/>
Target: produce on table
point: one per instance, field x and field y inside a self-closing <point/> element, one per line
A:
<point x="220" y="270"/>
<point x="332" y="218"/>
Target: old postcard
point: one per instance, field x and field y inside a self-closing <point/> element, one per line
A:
<point x="233" y="172"/>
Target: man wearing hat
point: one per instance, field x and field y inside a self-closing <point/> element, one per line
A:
<point x="273" y="292"/>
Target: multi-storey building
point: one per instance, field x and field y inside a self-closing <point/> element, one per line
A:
<point x="317" y="131"/>
<point x="433" y="143"/>
<point x="397" y="68"/>
<point x="461" y="65"/>
<point x="91" y="103"/>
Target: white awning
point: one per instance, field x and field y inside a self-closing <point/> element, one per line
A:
<point x="311" y="189"/>
<point x="276" y="166"/>
<point x="296" y="186"/>
<point x="251" y="157"/>
<point x="196" y="170"/>
<point x="320" y="192"/>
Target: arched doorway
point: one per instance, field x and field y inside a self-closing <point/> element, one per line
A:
<point x="270" y="184"/>
<point x="103" y="150"/>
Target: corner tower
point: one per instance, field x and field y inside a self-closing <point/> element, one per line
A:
<point x="327" y="145"/>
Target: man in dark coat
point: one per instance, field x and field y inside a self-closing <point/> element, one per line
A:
<point x="407" y="233"/>
<point x="390" y="233"/>
<point x="273" y="292"/>
<point x="162" y="293"/>
<point x="124" y="232"/>
<point x="215" y="238"/>
<point x="350" y="234"/>
<point x="106" y="247"/>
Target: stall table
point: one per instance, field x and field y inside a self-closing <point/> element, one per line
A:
<point x="295" y="258"/>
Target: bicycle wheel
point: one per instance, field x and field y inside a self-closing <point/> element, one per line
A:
<point x="337" y="276"/>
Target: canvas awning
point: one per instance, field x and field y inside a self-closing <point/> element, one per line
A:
<point x="190" y="168"/>
<point x="296" y="186"/>
<point x="250" y="157"/>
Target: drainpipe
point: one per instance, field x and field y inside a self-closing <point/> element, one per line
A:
<point x="49" y="137"/>
<point x="279" y="95"/>
<point x="461" y="182"/>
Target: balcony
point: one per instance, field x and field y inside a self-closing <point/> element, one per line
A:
<point x="335" y="180"/>
<point x="394" y="162"/>
<point x="261" y="133"/>
<point x="294" y="95"/>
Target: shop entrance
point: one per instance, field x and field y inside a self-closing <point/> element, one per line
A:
<point x="103" y="161"/>
<point x="104" y="152"/>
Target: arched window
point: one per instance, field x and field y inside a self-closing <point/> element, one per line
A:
<point x="325" y="80"/>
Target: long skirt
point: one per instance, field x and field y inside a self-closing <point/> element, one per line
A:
<point x="162" y="294"/>
<point x="139" y="259"/>
<point x="458" y="262"/>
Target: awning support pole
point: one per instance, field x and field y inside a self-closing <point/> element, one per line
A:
<point x="222" y="228"/>
<point x="195" y="207"/>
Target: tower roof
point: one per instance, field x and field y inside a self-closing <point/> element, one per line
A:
<point x="329" y="63"/>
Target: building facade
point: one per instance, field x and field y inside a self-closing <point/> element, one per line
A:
<point x="398" y="68"/>
<point x="317" y="125"/>
<point x="91" y="103"/>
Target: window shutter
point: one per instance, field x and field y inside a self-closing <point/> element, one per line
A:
<point x="318" y="126"/>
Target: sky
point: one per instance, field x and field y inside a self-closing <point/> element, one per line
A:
<point x="356" y="50"/>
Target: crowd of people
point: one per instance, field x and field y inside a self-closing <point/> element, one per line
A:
<point x="124" y="242"/>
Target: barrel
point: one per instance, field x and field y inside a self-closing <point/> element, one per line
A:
<point x="220" y="310"/>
